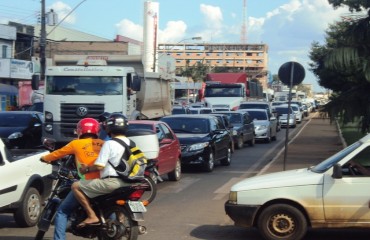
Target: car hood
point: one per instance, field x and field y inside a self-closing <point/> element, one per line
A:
<point x="260" y="122"/>
<point x="189" y="138"/>
<point x="6" y="131"/>
<point x="280" y="179"/>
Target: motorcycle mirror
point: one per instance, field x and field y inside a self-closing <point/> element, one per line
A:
<point x="49" y="143"/>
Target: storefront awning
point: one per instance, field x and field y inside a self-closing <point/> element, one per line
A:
<point x="8" y="89"/>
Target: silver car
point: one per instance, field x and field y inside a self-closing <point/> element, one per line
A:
<point x="264" y="126"/>
<point x="282" y="111"/>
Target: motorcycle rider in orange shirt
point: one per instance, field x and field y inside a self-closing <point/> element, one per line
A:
<point x="86" y="150"/>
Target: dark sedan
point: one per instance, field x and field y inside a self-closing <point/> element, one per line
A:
<point x="204" y="140"/>
<point x="21" y="129"/>
<point x="242" y="128"/>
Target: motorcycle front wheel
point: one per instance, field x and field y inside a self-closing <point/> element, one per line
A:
<point x="120" y="225"/>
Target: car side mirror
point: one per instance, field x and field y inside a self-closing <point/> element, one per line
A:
<point x="165" y="141"/>
<point x="337" y="171"/>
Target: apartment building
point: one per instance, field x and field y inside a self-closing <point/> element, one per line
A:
<point x="249" y="58"/>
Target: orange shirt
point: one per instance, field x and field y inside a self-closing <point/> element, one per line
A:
<point x="86" y="151"/>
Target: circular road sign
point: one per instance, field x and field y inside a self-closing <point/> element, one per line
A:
<point x="291" y="73"/>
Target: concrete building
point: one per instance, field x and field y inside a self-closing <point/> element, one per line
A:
<point x="249" y="58"/>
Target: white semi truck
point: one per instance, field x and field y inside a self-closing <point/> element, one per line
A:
<point x="86" y="86"/>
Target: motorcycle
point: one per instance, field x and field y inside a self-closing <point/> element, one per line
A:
<point x="119" y="212"/>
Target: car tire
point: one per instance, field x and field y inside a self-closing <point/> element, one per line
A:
<point x="268" y="139"/>
<point x="227" y="160"/>
<point x="240" y="142"/>
<point x="282" y="221"/>
<point x="175" y="175"/>
<point x="209" y="164"/>
<point x="29" y="210"/>
<point x="252" y="142"/>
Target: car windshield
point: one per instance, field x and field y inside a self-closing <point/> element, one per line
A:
<point x="234" y="118"/>
<point x="188" y="125"/>
<point x="178" y="111"/>
<point x="258" y="115"/>
<point x="82" y="85"/>
<point x="283" y="110"/>
<point x="14" y="120"/>
<point x="139" y="126"/>
<point x="253" y="106"/>
<point x="328" y="163"/>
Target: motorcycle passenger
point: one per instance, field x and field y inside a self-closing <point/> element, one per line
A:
<point x="86" y="150"/>
<point x="111" y="153"/>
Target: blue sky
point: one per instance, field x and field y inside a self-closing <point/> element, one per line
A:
<point x="288" y="27"/>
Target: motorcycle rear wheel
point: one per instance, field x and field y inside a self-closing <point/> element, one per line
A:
<point x="150" y="188"/>
<point x="121" y="225"/>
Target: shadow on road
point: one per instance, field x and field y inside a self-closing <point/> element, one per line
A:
<point x="216" y="232"/>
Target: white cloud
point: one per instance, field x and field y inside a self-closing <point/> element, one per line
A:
<point x="129" y="29"/>
<point x="212" y="14"/>
<point x="63" y="10"/>
<point x="174" y="31"/>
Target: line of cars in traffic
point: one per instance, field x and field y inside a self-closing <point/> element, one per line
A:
<point x="190" y="136"/>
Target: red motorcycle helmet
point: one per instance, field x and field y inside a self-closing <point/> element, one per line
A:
<point x="87" y="126"/>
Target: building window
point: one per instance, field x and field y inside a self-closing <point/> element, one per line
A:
<point x="4" y="51"/>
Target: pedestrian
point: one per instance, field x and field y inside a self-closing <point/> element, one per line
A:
<point x="86" y="150"/>
<point x="109" y="156"/>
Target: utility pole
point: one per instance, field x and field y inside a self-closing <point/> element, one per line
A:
<point x="42" y="42"/>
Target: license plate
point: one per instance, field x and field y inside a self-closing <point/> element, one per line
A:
<point x="136" y="206"/>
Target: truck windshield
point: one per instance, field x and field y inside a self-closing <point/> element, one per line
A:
<point x="86" y="85"/>
<point x="214" y="91"/>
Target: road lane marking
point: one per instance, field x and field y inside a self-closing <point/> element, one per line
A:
<point x="178" y="186"/>
<point x="225" y="189"/>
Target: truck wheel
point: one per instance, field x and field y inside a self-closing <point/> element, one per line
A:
<point x="175" y="175"/>
<point x="282" y="221"/>
<point x="28" y="212"/>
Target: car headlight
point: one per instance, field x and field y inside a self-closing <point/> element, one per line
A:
<point x="198" y="146"/>
<point x="261" y="127"/>
<point x="15" y="135"/>
<point x="233" y="197"/>
<point x="235" y="132"/>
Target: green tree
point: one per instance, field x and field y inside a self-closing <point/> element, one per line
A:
<point x="342" y="64"/>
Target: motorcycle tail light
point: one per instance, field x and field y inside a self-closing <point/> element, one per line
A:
<point x="136" y="195"/>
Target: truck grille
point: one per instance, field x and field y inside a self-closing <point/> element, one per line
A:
<point x="70" y="116"/>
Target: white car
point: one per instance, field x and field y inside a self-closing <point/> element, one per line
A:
<point x="297" y="112"/>
<point x="332" y="194"/>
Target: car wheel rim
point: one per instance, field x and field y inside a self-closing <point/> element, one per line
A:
<point x="33" y="207"/>
<point x="178" y="170"/>
<point x="281" y="225"/>
<point x="229" y="155"/>
<point x="211" y="161"/>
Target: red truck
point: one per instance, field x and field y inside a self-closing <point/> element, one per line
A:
<point x="226" y="90"/>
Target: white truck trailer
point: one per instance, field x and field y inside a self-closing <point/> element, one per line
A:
<point x="86" y="86"/>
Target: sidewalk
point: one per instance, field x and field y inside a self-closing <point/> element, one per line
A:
<point x="317" y="141"/>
